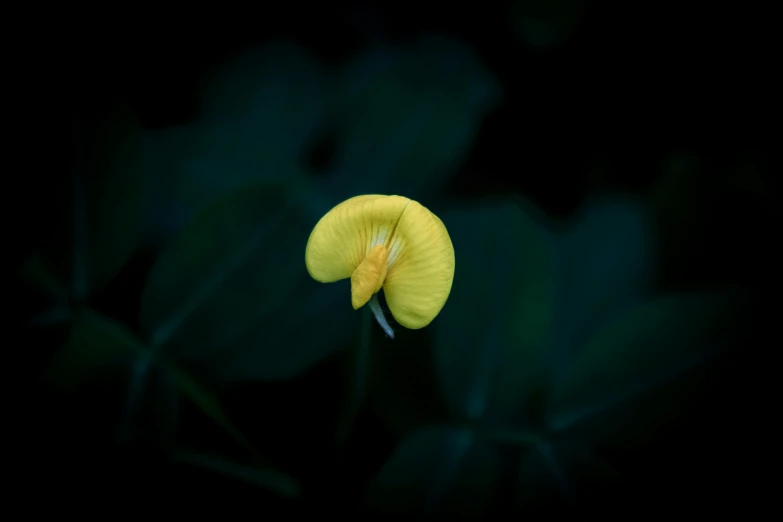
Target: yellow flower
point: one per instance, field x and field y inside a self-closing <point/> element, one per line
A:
<point x="388" y="242"/>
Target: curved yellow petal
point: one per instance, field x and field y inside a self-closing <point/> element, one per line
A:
<point x="421" y="270"/>
<point x="344" y="236"/>
<point x="358" y="236"/>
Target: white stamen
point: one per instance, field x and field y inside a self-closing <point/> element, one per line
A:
<point x="375" y="306"/>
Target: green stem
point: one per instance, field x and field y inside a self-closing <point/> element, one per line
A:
<point x="361" y="365"/>
<point x="363" y="358"/>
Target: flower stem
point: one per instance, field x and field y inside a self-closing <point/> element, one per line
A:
<point x="363" y="358"/>
<point x="359" y="382"/>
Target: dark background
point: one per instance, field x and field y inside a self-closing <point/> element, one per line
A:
<point x="668" y="104"/>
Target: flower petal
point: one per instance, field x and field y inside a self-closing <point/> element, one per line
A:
<point x="367" y="280"/>
<point x="344" y="236"/>
<point x="421" y="268"/>
<point x="420" y="262"/>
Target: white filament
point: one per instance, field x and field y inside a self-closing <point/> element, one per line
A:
<point x="375" y="306"/>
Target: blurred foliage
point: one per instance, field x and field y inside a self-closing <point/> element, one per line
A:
<point x="489" y="372"/>
<point x="409" y="115"/>
<point x="175" y="317"/>
<point x="202" y="301"/>
<point x="98" y="225"/>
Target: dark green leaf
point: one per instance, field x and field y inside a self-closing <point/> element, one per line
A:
<point x="436" y="470"/>
<point x="644" y="348"/>
<point x="100" y="345"/>
<point x="197" y="165"/>
<point x="490" y="335"/>
<point x="605" y="263"/>
<point x="408" y="117"/>
<point x="277" y="94"/>
<point x="94" y="342"/>
<point x="260" y="113"/>
<point x="232" y="292"/>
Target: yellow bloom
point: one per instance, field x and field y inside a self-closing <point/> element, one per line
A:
<point x="388" y="242"/>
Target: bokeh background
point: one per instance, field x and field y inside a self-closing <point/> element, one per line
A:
<point x="605" y="173"/>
